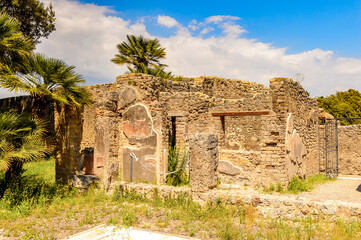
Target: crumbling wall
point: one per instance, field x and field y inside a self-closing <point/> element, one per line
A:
<point x="299" y="113"/>
<point x="143" y="114"/>
<point x="68" y="130"/>
<point x="349" y="150"/>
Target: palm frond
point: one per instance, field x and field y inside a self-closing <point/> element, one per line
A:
<point x="138" y="51"/>
<point x="22" y="138"/>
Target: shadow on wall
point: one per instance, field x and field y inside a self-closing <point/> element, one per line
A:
<point x="358" y="188"/>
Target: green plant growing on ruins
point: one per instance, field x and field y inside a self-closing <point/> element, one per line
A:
<point x="39" y="219"/>
<point x="297" y="185"/>
<point x="211" y="103"/>
<point x="177" y="160"/>
<point x="279" y="187"/>
<point x="218" y="181"/>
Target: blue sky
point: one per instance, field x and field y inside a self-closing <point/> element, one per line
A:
<point x="314" y="42"/>
<point x="297" y="25"/>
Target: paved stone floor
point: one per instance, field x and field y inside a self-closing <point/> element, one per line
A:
<point x="112" y="232"/>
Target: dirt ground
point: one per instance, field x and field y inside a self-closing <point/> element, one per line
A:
<point x="346" y="189"/>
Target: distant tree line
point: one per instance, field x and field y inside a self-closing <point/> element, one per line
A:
<point x="343" y="105"/>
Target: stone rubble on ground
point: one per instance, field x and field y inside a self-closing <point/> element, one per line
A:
<point x="272" y="206"/>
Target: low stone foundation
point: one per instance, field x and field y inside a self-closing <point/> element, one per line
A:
<point x="272" y="206"/>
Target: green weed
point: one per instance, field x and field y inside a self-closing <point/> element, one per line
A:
<point x="177" y="160"/>
<point x="129" y="218"/>
<point x="297" y="185"/>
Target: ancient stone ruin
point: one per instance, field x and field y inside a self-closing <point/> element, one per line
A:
<point x="264" y="134"/>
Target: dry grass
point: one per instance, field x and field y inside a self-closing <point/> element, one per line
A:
<point x="69" y="212"/>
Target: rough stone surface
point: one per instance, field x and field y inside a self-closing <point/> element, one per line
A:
<point x="83" y="181"/>
<point x="349" y="150"/>
<point x="228" y="168"/>
<point x="272" y="206"/>
<point x="204" y="159"/>
<point x="139" y="111"/>
<point x="295" y="151"/>
<point x="328" y="209"/>
<point x="141" y="141"/>
<point x="87" y="161"/>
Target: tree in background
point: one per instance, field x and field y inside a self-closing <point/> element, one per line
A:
<point x="142" y="55"/>
<point x="36" y="20"/>
<point x="139" y="51"/>
<point x="343" y="105"/>
<point x="158" y="72"/>
<point x="14" y="47"/>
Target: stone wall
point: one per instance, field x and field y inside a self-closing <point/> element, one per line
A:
<point x="144" y="114"/>
<point x="68" y="130"/>
<point x="271" y="206"/>
<point x="299" y="112"/>
<point x="349" y="150"/>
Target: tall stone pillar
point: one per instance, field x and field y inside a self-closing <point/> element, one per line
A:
<point x="204" y="159"/>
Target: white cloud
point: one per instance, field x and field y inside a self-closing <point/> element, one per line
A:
<point x="232" y="30"/>
<point x="206" y="30"/>
<point x="167" y="21"/>
<point x="193" y="27"/>
<point x="87" y="35"/>
<point x="221" y="18"/>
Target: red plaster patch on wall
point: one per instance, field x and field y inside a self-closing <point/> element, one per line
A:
<point x="150" y="160"/>
<point x="136" y="129"/>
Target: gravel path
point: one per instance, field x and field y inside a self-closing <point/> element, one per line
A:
<point x="346" y="189"/>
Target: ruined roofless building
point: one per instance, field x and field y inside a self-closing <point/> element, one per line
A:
<point x="265" y="134"/>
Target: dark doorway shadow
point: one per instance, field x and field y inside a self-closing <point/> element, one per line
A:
<point x="358" y="188"/>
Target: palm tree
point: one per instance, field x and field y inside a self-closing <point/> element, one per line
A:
<point x="157" y="71"/>
<point x="138" y="51"/>
<point x="48" y="79"/>
<point x="14" y="47"/>
<point x="21" y="140"/>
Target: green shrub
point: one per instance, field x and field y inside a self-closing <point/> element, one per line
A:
<point x="129" y="218"/>
<point x="297" y="185"/>
<point x="30" y="189"/>
<point x="228" y="231"/>
<point x="279" y="187"/>
<point x="177" y="159"/>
